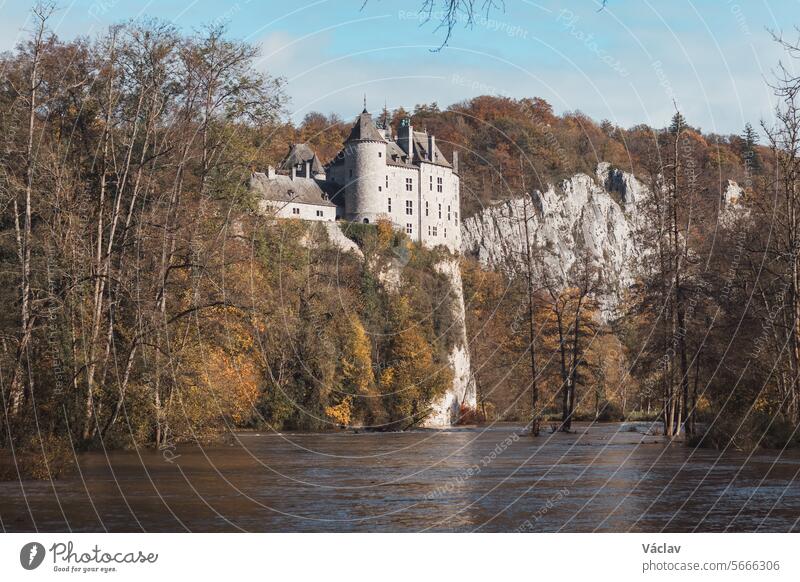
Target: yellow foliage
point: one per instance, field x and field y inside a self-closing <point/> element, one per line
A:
<point x="385" y="233"/>
<point x="387" y="376"/>
<point x="357" y="363"/>
<point x="342" y="413"/>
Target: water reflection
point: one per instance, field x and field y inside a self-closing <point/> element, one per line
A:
<point x="602" y="478"/>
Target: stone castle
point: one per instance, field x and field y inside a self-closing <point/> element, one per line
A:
<point x="404" y="178"/>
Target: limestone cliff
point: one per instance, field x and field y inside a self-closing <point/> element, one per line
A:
<point x="598" y="214"/>
<point x="446" y="410"/>
<point x="582" y="214"/>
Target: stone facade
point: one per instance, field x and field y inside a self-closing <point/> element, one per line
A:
<point x="292" y="196"/>
<point x="405" y="179"/>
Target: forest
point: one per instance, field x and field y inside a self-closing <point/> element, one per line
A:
<point x="146" y="301"/>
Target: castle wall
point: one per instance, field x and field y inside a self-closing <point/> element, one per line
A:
<point x="429" y="212"/>
<point x="400" y="197"/>
<point x="365" y="171"/>
<point x="440" y="212"/>
<point x="300" y="210"/>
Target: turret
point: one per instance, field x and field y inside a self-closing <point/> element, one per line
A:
<point x="365" y="170"/>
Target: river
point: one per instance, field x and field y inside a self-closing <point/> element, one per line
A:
<point x="606" y="477"/>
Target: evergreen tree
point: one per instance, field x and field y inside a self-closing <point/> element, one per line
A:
<point x="678" y="123"/>
<point x="749" y="153"/>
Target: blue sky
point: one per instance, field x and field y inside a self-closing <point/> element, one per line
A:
<point x="626" y="63"/>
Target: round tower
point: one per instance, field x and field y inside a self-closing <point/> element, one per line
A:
<point x="365" y="172"/>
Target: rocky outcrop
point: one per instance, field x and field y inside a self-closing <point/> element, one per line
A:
<point x="446" y="410"/>
<point x="338" y="239"/>
<point x="584" y="214"/>
<point x="732" y="208"/>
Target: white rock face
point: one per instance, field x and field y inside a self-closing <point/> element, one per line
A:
<point x="338" y="239"/>
<point x="732" y="208"/>
<point x="579" y="215"/>
<point x="614" y="180"/>
<point x="446" y="409"/>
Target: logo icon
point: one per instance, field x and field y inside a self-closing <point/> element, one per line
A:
<point x="31" y="555"/>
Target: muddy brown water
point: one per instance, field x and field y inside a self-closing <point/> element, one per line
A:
<point x="601" y="478"/>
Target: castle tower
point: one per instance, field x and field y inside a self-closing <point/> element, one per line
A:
<point x="365" y="171"/>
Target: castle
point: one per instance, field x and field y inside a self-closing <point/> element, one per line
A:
<point x="404" y="179"/>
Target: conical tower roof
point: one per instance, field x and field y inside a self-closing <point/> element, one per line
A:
<point x="364" y="129"/>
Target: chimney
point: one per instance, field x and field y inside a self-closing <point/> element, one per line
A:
<point x="308" y="169"/>
<point x="294" y="171"/>
<point x="431" y="148"/>
<point x="409" y="139"/>
<point x="271" y="172"/>
<point x="455" y="161"/>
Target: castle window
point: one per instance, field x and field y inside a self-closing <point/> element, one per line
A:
<point x="440" y="210"/>
<point x="445" y="232"/>
<point x="409" y="228"/>
<point x="438" y="184"/>
<point x="387" y="181"/>
<point x="379" y="189"/>
<point x="319" y="212"/>
<point x="409" y="184"/>
<point x="429" y="230"/>
<point x="448" y="212"/>
<point x="409" y="207"/>
<point x="389" y="205"/>
<point x="434" y="231"/>
<point x="295" y="211"/>
<point x="426" y="209"/>
<point x="431" y="183"/>
<point x="380" y="154"/>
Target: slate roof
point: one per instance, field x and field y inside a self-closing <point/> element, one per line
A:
<point x="283" y="189"/>
<point x="299" y="155"/>
<point x="364" y="129"/>
<point x="421" y="150"/>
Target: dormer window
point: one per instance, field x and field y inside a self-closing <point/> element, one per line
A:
<point x="290" y="193"/>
